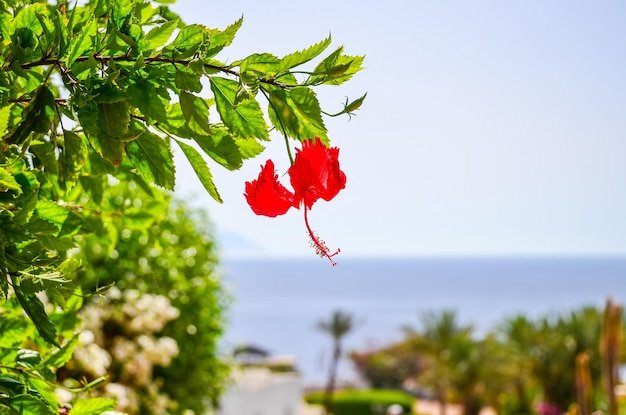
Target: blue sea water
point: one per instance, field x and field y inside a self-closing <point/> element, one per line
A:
<point x="277" y="303"/>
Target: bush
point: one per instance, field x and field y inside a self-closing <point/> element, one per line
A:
<point x="364" y="402"/>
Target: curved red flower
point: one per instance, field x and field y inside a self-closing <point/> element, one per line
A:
<point x="315" y="175"/>
<point x="266" y="196"/>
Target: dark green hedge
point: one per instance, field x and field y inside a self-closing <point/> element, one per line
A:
<point x="364" y="402"/>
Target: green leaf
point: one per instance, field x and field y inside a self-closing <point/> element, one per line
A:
<point x="5" y="114"/>
<point x="80" y="44"/>
<point x="93" y="406"/>
<point x="72" y="158"/>
<point x="114" y="118"/>
<point x="27" y="18"/>
<point x="265" y="65"/>
<point x="54" y="243"/>
<point x="248" y="148"/>
<point x="158" y="36"/>
<point x="61" y="356"/>
<point x="152" y="157"/>
<point x="297" y="113"/>
<point x="196" y="112"/>
<point x="93" y="120"/>
<point x="8" y="182"/>
<point x="52" y="212"/>
<point x="187" y="80"/>
<point x="145" y="96"/>
<point x="298" y="58"/>
<point x="245" y="119"/>
<point x="336" y="68"/>
<point x="201" y="169"/>
<point x="222" y="148"/>
<point x="36" y="117"/>
<point x="187" y="43"/>
<point x="35" y="310"/>
<point x="26" y="404"/>
<point x="218" y="39"/>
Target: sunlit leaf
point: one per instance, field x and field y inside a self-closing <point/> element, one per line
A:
<point x="196" y="112"/>
<point x="298" y="58"/>
<point x="219" y="39"/>
<point x="297" y="113"/>
<point x="8" y="182"/>
<point x="81" y="43"/>
<point x="35" y="310"/>
<point x="158" y="36"/>
<point x="245" y="119"/>
<point x="152" y="157"/>
<point x="201" y="169"/>
<point x="93" y="406"/>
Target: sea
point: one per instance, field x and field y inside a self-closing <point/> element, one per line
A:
<point x="277" y="304"/>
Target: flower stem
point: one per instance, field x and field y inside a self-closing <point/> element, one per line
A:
<point x="319" y="245"/>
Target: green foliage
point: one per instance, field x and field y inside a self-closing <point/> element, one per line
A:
<point x="388" y="367"/>
<point x="363" y="402"/>
<point x="163" y="248"/>
<point x="94" y="93"/>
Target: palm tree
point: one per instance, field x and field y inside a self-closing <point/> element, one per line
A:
<point x="439" y="341"/>
<point x="339" y="324"/>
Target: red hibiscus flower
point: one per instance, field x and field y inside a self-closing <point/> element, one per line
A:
<point x="314" y="175"/>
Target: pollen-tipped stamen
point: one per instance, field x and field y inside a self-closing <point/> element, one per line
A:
<point x="318" y="244"/>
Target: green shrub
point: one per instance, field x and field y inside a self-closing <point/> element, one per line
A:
<point x="364" y="402"/>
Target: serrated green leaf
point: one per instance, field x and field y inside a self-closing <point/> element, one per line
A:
<point x="36" y="117"/>
<point x="80" y="44"/>
<point x="35" y="310"/>
<point x="248" y="148"/>
<point x="13" y="332"/>
<point x="54" y="243"/>
<point x="221" y="147"/>
<point x="298" y="58"/>
<point x="93" y="122"/>
<point x="27" y="18"/>
<point x="297" y="113"/>
<point x="188" y="42"/>
<point x="219" y="39"/>
<point x="26" y="404"/>
<point x="114" y="118"/>
<point x="187" y="80"/>
<point x="152" y="157"/>
<point x="61" y="356"/>
<point x="72" y="158"/>
<point x="5" y="114"/>
<point x="37" y="225"/>
<point x="52" y="212"/>
<point x="158" y="36"/>
<point x="196" y="112"/>
<point x="8" y="182"/>
<point x="47" y="27"/>
<point x="201" y="169"/>
<point x="44" y="387"/>
<point x="265" y="65"/>
<point x="144" y="96"/>
<point x="245" y="119"/>
<point x="336" y="68"/>
<point x="93" y="406"/>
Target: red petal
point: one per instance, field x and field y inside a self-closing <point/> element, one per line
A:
<point x="316" y="173"/>
<point x="266" y="196"/>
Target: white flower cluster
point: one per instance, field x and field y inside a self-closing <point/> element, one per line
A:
<point x="120" y="338"/>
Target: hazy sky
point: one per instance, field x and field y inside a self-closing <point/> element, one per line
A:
<point x="490" y="128"/>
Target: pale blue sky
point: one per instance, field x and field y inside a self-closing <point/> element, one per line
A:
<point x="490" y="128"/>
